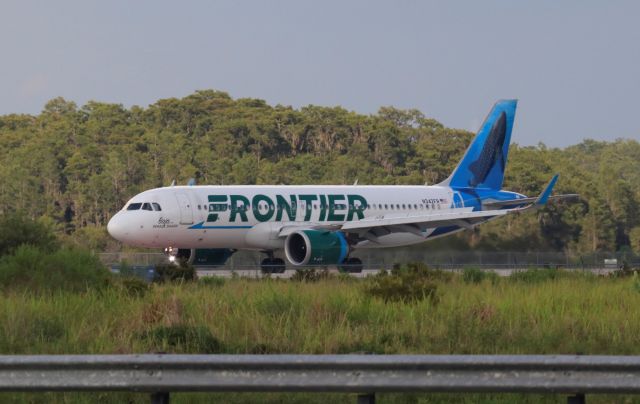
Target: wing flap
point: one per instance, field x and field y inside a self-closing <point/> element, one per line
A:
<point x="431" y="220"/>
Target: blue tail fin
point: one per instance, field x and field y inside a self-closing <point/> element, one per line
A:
<point x="486" y="158"/>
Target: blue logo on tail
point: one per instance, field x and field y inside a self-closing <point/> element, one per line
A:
<point x="484" y="162"/>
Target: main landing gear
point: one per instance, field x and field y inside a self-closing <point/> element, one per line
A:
<point x="272" y="265"/>
<point x="352" y="265"/>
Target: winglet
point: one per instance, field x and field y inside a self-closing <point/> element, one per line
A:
<point x="544" y="196"/>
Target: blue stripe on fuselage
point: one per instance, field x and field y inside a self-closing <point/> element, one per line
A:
<point x="201" y="225"/>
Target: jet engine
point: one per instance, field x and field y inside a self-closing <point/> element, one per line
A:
<point x="316" y="247"/>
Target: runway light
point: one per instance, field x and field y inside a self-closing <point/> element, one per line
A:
<point x="172" y="258"/>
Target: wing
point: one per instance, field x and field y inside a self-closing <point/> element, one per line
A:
<point x="371" y="228"/>
<point x="417" y="224"/>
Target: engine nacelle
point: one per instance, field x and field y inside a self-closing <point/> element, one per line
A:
<point x="205" y="257"/>
<point x="316" y="247"/>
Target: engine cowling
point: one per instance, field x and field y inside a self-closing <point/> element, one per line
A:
<point x="205" y="257"/>
<point x="316" y="247"/>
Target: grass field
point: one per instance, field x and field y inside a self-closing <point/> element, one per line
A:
<point x="541" y="312"/>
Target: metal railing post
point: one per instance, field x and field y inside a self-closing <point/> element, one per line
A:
<point x="576" y="399"/>
<point x="369" y="398"/>
<point x="160" y="397"/>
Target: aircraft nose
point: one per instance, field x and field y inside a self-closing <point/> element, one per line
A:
<point x="116" y="227"/>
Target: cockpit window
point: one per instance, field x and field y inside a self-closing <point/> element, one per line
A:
<point x="156" y="206"/>
<point x="134" y="206"/>
<point x="146" y="206"/>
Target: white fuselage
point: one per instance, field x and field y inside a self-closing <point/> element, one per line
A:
<point x="250" y="217"/>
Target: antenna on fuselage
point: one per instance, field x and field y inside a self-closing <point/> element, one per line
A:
<point x="173" y="183"/>
<point x="356" y="182"/>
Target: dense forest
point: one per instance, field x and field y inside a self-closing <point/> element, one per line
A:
<point x="72" y="167"/>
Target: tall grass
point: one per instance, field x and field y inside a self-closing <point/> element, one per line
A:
<point x="564" y="314"/>
<point x="529" y="314"/>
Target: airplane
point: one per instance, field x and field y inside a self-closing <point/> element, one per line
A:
<point x="324" y="224"/>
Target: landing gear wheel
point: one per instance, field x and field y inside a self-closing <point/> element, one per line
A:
<point x="267" y="266"/>
<point x="352" y="265"/>
<point x="279" y="265"/>
<point x="272" y="266"/>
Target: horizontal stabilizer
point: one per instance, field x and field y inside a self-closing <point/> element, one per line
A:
<point x="524" y="201"/>
<point x="540" y="200"/>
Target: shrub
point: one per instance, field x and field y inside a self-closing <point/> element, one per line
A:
<point x="132" y="286"/>
<point x="636" y="282"/>
<point x="536" y="275"/>
<point x="17" y="229"/>
<point x="310" y="275"/>
<point x="473" y="275"/>
<point x="33" y="269"/>
<point x="171" y="272"/>
<point x="624" y="271"/>
<point x="93" y="238"/>
<point x="406" y="283"/>
<point x="192" y="339"/>
<point x="214" y="281"/>
<point x="420" y="270"/>
<point x="46" y="328"/>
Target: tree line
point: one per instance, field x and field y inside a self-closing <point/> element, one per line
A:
<point x="74" y="167"/>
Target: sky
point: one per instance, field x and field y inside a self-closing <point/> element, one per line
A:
<point x="573" y="65"/>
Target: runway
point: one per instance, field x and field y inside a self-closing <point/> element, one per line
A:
<point x="257" y="273"/>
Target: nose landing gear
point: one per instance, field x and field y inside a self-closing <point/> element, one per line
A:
<point x="172" y="254"/>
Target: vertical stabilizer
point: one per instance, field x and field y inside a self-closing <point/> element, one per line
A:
<point x="485" y="160"/>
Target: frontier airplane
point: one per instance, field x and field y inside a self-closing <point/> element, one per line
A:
<point x="323" y="224"/>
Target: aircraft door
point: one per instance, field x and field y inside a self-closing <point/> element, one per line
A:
<point x="186" y="213"/>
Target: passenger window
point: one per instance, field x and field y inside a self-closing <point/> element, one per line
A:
<point x="409" y="205"/>
<point x="147" y="206"/>
<point x="217" y="208"/>
<point x="415" y="206"/>
<point x="404" y="206"/>
<point x="391" y="206"/>
<point x="134" y="206"/>
<point x="156" y="206"/>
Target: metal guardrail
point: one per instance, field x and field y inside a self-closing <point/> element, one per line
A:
<point x="376" y="259"/>
<point x="364" y="374"/>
